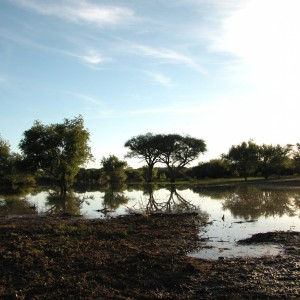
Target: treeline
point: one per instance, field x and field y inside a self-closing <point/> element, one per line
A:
<point x="243" y="160"/>
<point x="57" y="152"/>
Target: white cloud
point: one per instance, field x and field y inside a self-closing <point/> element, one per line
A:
<point x="93" y="57"/>
<point x="80" y="11"/>
<point x="160" y="78"/>
<point x="166" y="55"/>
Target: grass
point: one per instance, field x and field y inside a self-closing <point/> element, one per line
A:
<point x="233" y="180"/>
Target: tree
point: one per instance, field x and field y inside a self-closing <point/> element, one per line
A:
<point x="113" y="169"/>
<point x="296" y="158"/>
<point x="177" y="151"/>
<point x="145" y="147"/>
<point x="12" y="174"/>
<point x="273" y="159"/>
<point x="4" y="158"/>
<point x="134" y="175"/>
<point x="243" y="157"/>
<point x="215" y="168"/>
<point x="57" y="150"/>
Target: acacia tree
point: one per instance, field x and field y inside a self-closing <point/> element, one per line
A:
<point x="243" y="157"/>
<point x="177" y="151"/>
<point x="57" y="150"/>
<point x="145" y="147"/>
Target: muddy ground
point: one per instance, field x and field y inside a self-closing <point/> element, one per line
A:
<point x="135" y="257"/>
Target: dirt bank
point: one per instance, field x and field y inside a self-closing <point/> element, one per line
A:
<point x="134" y="257"/>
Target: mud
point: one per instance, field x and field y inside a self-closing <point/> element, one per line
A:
<point x="135" y="257"/>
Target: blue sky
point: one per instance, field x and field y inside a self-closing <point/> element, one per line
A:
<point x="222" y="71"/>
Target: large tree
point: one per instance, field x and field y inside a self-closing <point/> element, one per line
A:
<point x="177" y="151"/>
<point x="57" y="150"/>
<point x="243" y="157"/>
<point x="273" y="159"/>
<point x="145" y="147"/>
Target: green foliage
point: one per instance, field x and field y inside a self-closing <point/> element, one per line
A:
<point x="178" y="151"/>
<point x="113" y="169"/>
<point x="174" y="150"/>
<point x="4" y="157"/>
<point x="88" y="175"/>
<point x="145" y="147"/>
<point x="134" y="175"/>
<point x="273" y="159"/>
<point x="215" y="168"/>
<point x="296" y="158"/>
<point x="57" y="149"/>
<point x="243" y="158"/>
<point x="13" y="176"/>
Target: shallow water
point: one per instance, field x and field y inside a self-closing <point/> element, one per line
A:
<point x="231" y="214"/>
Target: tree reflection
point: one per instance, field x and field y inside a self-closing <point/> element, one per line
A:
<point x="174" y="202"/>
<point x="65" y="204"/>
<point x="216" y="193"/>
<point x="16" y="205"/>
<point x="252" y="203"/>
<point x="114" y="196"/>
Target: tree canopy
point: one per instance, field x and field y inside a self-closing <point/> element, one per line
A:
<point x="113" y="169"/>
<point x="178" y="151"/>
<point x="273" y="159"/>
<point x="4" y="157"/>
<point x="145" y="147"/>
<point x="57" y="149"/>
<point x="174" y="150"/>
<point x="243" y="157"/>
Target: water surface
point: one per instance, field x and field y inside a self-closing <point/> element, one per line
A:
<point x="231" y="214"/>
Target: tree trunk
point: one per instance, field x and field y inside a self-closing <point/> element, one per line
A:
<point x="63" y="185"/>
<point x="150" y="172"/>
<point x="172" y="174"/>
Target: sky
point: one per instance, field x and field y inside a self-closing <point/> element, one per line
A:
<point x="221" y="71"/>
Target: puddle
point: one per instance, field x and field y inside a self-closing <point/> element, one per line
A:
<point x="215" y="250"/>
<point x="220" y="240"/>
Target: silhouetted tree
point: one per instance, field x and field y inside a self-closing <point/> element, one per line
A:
<point x="243" y="157"/>
<point x="273" y="159"/>
<point x="215" y="168"/>
<point x="145" y="147"/>
<point x="296" y="158"/>
<point x="178" y="151"/>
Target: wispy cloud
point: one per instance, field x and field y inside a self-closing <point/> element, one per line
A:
<point x="86" y="98"/>
<point x="91" y="56"/>
<point x="166" y="55"/>
<point x="160" y="78"/>
<point x="80" y="11"/>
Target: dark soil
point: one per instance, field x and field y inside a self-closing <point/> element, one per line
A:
<point x="135" y="257"/>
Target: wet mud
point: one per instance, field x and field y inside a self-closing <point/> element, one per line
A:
<point x="135" y="257"/>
